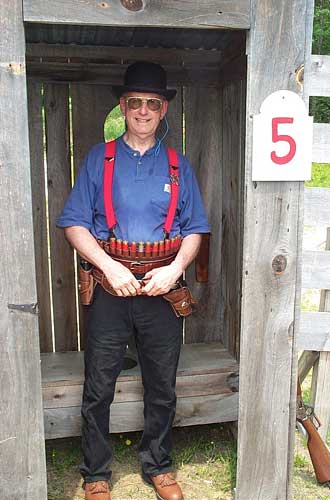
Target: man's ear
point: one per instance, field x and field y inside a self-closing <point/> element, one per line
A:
<point x="164" y="109"/>
<point x="122" y="105"/>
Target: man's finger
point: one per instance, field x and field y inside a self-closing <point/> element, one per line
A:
<point x="136" y="284"/>
<point x="125" y="291"/>
<point x="132" y="290"/>
<point x="149" y="286"/>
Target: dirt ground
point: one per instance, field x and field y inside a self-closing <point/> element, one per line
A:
<point x="204" y="460"/>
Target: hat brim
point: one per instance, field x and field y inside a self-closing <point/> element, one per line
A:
<point x="119" y="90"/>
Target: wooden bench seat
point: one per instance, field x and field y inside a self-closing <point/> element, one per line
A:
<point x="206" y="389"/>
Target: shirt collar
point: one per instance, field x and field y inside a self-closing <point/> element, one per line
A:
<point x="131" y="151"/>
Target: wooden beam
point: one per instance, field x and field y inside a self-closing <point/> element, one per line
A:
<point x="158" y="13"/>
<point x="316" y="206"/>
<point x="22" y="450"/>
<point x="321" y="142"/>
<point x="127" y="417"/>
<point x="90" y="53"/>
<point x="316" y="269"/>
<point x="320" y="76"/>
<point x="273" y="226"/>
<point x="314" y="332"/>
<point x="113" y="74"/>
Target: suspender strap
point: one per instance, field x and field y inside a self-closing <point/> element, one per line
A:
<point x="173" y="161"/>
<point x="109" y="164"/>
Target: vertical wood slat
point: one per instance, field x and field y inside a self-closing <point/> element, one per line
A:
<point x="307" y="49"/>
<point x="204" y="150"/>
<point x="39" y="214"/>
<point x="272" y="227"/>
<point x="59" y="185"/>
<point x="233" y="110"/>
<point x="22" y="453"/>
<point x="91" y="104"/>
<point x="174" y="117"/>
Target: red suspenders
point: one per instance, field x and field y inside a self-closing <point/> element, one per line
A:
<point x="109" y="164"/>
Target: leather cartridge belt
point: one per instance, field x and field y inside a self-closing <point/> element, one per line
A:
<point x="139" y="264"/>
<point x="142" y="267"/>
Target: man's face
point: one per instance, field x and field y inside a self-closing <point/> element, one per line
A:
<point x="143" y="121"/>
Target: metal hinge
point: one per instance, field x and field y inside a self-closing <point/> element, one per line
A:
<point x="29" y="308"/>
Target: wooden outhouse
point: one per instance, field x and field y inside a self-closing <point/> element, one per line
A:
<point x="58" y="61"/>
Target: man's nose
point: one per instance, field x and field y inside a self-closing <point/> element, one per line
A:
<point x="144" y="108"/>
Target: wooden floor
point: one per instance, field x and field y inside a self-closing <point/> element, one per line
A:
<point x="206" y="389"/>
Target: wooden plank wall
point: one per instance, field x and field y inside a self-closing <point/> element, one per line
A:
<point x="232" y="224"/>
<point x="22" y="451"/>
<point x="35" y="99"/>
<point x="213" y="128"/>
<point x="217" y="118"/>
<point x="203" y="113"/>
<point x="59" y="186"/>
<point x="87" y="130"/>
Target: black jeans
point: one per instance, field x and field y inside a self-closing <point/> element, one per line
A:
<point x="109" y="322"/>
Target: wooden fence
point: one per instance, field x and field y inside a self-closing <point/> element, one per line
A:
<point x="314" y="333"/>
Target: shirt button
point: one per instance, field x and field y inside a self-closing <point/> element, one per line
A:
<point x="134" y="154"/>
<point x="139" y="162"/>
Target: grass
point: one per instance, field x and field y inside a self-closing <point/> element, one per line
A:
<point x="204" y="463"/>
<point x="204" y="460"/>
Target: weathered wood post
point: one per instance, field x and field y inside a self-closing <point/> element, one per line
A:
<point x="278" y="42"/>
<point x="22" y="456"/>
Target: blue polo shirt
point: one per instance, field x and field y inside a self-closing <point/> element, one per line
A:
<point x="141" y="195"/>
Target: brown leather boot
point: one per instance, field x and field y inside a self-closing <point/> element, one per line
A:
<point x="166" y="487"/>
<point x="98" y="490"/>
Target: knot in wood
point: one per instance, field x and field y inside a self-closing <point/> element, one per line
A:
<point x="279" y="264"/>
<point x="133" y="5"/>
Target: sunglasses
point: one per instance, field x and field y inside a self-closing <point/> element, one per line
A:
<point x="153" y="103"/>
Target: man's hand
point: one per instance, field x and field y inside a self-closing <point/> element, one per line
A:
<point x="161" y="279"/>
<point x="122" y="280"/>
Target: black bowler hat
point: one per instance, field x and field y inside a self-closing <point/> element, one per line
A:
<point x="145" y="77"/>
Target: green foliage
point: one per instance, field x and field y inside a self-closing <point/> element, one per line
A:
<point x="321" y="29"/>
<point x="320" y="175"/>
<point x="114" y="125"/>
<point x="320" y="106"/>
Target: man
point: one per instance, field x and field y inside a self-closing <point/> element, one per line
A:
<point x="138" y="199"/>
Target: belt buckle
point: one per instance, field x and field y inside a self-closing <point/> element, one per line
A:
<point x="135" y="264"/>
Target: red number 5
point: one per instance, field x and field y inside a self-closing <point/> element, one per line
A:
<point x="276" y="137"/>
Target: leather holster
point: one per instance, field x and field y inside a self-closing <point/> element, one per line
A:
<point x="181" y="300"/>
<point x="86" y="285"/>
